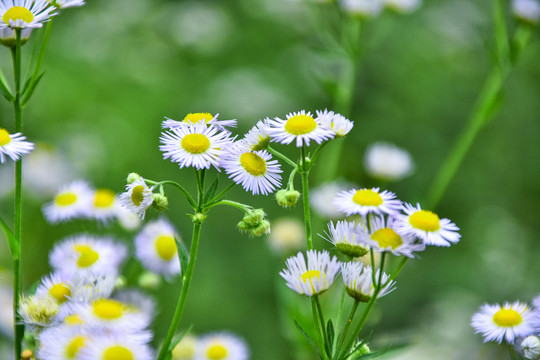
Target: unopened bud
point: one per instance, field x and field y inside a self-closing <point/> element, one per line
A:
<point x="242" y="226"/>
<point x="253" y="218"/>
<point x="530" y="348"/>
<point x="160" y="201"/>
<point x="27" y="355"/>
<point x="261" y="229"/>
<point x="198" y="217"/>
<point x="132" y="177"/>
<point x="287" y="198"/>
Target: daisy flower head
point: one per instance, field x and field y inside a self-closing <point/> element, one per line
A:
<point x="288" y="235"/>
<point x="72" y="201"/>
<point x="526" y="10"/>
<point x="194" y="118"/>
<point x="22" y="14"/>
<point x="366" y="201"/>
<point x="117" y="347"/>
<point x="13" y="145"/>
<point x="38" y="311"/>
<point x="362" y="8"/>
<point x="350" y="239"/>
<point x="257" y="138"/>
<point x="221" y="346"/>
<point x="196" y="145"/>
<point x="155" y="247"/>
<point x="358" y="280"/>
<point x="384" y="238"/>
<point x="254" y="170"/>
<point x="62" y="4"/>
<point x="387" y="162"/>
<point x="185" y="349"/>
<point x="137" y="301"/>
<point x="57" y="285"/>
<point x="321" y="199"/>
<point x="104" y="205"/>
<point x="90" y="256"/>
<point x="503" y="323"/>
<point x="299" y="126"/>
<point x="427" y="226"/>
<point x="85" y="288"/>
<point x="61" y="343"/>
<point x="334" y="122"/>
<point x="312" y="278"/>
<point x="137" y="197"/>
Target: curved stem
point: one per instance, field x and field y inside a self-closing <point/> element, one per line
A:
<point x="244" y="208"/>
<point x="512" y="352"/>
<point x="305" y="197"/>
<point x="178" y="186"/>
<point x="281" y="156"/>
<point x="347" y="326"/>
<point x="220" y="195"/>
<point x="290" y="183"/>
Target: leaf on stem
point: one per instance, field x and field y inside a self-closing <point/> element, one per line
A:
<point x="12" y="240"/>
<point x="211" y="190"/>
<point x="330" y="335"/>
<point x="308" y="338"/>
<point x="4" y="88"/>
<point x="31" y="87"/>
<point x="176" y="341"/>
<point x="183" y="256"/>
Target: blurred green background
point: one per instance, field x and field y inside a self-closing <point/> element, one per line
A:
<point x="114" y="69"/>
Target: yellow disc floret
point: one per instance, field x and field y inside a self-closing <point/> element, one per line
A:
<point x="60" y="292"/>
<point x="367" y="197"/>
<point x="253" y="164"/>
<point x="507" y="318"/>
<point x="103" y="198"/>
<point x="198" y="117"/>
<point x="300" y="124"/>
<point x="4" y="137"/>
<point x="137" y="195"/>
<point x="217" y="352"/>
<point x="195" y="143"/>
<point x="166" y="247"/>
<point x="74" y="346"/>
<point x="87" y="255"/>
<point x="425" y="220"/>
<point x="18" y="13"/>
<point x="73" y="320"/>
<point x="310" y="275"/>
<point x="118" y="352"/>
<point x="387" y="237"/>
<point x="65" y="199"/>
<point x="108" y="309"/>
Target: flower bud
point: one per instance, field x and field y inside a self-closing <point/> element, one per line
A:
<point x="254" y="217"/>
<point x="287" y="198"/>
<point x="132" y="177"/>
<point x="530" y="348"/>
<point x="261" y="229"/>
<point x="160" y="201"/>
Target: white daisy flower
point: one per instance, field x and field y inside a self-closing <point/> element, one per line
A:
<point x="86" y="288"/>
<point x="197" y="145"/>
<point x="62" y="4"/>
<point x="38" y="311"/>
<point x="21" y="14"/>
<point x="384" y="238"/>
<point x="155" y="247"/>
<point x="137" y="301"/>
<point x="104" y="205"/>
<point x="137" y="197"/>
<point x="117" y="347"/>
<point x="299" y="126"/>
<point x="334" y="122"/>
<point x="321" y="199"/>
<point x="13" y="145"/>
<point x="127" y="219"/>
<point x="503" y="323"/>
<point x="427" y="225"/>
<point x="194" y="118"/>
<point x="362" y="8"/>
<point x="254" y="170"/>
<point x="88" y="255"/>
<point x="312" y="278"/>
<point x="526" y="10"/>
<point x="366" y="201"/>
<point x="257" y="138"/>
<point x="358" y="280"/>
<point x="288" y="235"/>
<point x="222" y="346"/>
<point x="349" y="238"/>
<point x="403" y="6"/>
<point x="61" y="343"/>
<point x="387" y="162"/>
<point x="72" y="201"/>
<point x="57" y="285"/>
<point x="185" y="349"/>
<point x="111" y="316"/>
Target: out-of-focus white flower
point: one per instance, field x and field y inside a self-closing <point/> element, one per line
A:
<point x="223" y="346"/>
<point x="387" y="162"/>
<point x="403" y="6"/>
<point x="6" y="310"/>
<point x="104" y="205"/>
<point x="530" y="348"/>
<point x="362" y="8"/>
<point x="288" y="234"/>
<point x="72" y="201"/>
<point x="185" y="349"/>
<point x="526" y="10"/>
<point x="322" y="197"/>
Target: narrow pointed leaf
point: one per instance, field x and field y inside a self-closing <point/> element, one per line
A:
<point x="31" y="87"/>
<point x="12" y="240"/>
<point x="4" y="88"/>
<point x="183" y="256"/>
<point x="179" y="338"/>
<point x="308" y="338"/>
<point x="212" y="190"/>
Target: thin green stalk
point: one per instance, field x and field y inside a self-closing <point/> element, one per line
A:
<point x="19" y="327"/>
<point x="281" y="156"/>
<point x="512" y="352"/>
<point x="318" y="327"/>
<point x="399" y="268"/>
<point x="322" y="324"/>
<point x="343" y="335"/>
<point x="305" y="196"/>
<point x="178" y="186"/>
<point x="240" y="206"/>
<point x="220" y="195"/>
<point x="339" y="315"/>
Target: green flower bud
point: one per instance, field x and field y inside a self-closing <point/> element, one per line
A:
<point x="132" y="177"/>
<point x="287" y="198"/>
<point x="242" y="226"/>
<point x="198" y="217"/>
<point x="253" y="218"/>
<point x="261" y="229"/>
<point x="160" y="201"/>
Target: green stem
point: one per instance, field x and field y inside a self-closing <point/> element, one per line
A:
<point x="326" y="348"/>
<point x="19" y="327"/>
<point x="178" y="186"/>
<point x="281" y="156"/>
<point x="399" y="268"/>
<point x="512" y="352"/>
<point x="218" y="196"/>
<point x="338" y="317"/>
<point x="240" y="206"/>
<point x="348" y="325"/>
<point x="318" y="327"/>
<point x="305" y="197"/>
<point x="290" y="183"/>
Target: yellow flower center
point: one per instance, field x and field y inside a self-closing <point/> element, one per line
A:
<point x="18" y="13"/>
<point x="4" y="137"/>
<point x="195" y="143"/>
<point x="108" y="309"/>
<point x="217" y="352"/>
<point x="61" y="292"/>
<point x="253" y="164"/>
<point x="197" y="117"/>
<point x="165" y="247"/>
<point x="367" y="197"/>
<point x="118" y="352"/>
<point x="387" y="237"/>
<point x="137" y="195"/>
<point x="87" y="255"/>
<point x="103" y="198"/>
<point x="310" y="275"/>
<point x="65" y="199"/>
<point x="507" y="318"/>
<point x="300" y="124"/>
<point x="425" y="220"/>
<point x="73" y="320"/>
<point x="74" y="346"/>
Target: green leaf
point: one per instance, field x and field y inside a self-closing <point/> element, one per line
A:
<point x="179" y="338"/>
<point x="330" y="334"/>
<point x="12" y="240"/>
<point x="183" y="255"/>
<point x="31" y="87"/>
<point x="4" y="88"/>
<point x="308" y="338"/>
<point x="212" y="190"/>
